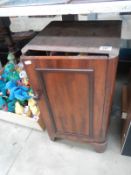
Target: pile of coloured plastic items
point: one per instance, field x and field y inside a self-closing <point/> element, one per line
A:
<point x="16" y="94"/>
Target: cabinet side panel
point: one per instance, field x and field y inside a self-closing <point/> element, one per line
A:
<point x="109" y="91"/>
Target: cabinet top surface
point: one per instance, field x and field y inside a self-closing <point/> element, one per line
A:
<point x="78" y="36"/>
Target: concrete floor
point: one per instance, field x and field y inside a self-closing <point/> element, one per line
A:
<point x="28" y="152"/>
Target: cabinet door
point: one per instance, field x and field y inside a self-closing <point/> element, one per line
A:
<point x="73" y="94"/>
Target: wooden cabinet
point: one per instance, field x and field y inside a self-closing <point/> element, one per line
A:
<point x="72" y="67"/>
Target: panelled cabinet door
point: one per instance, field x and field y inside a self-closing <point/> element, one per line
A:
<point x="75" y="94"/>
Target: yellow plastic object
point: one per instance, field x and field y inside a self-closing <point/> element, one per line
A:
<point x="19" y="109"/>
<point x="31" y="102"/>
<point x="33" y="107"/>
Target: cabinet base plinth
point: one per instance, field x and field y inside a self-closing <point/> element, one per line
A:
<point x="100" y="147"/>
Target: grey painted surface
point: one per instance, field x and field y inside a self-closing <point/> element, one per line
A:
<point x="9" y="3"/>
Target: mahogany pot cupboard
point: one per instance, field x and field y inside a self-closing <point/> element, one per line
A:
<point x="72" y="68"/>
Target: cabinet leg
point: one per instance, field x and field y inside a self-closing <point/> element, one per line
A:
<point x="52" y="138"/>
<point x="100" y="147"/>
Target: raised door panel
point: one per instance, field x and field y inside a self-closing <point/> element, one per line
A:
<point x="69" y="98"/>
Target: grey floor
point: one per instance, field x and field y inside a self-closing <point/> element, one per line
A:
<point x="28" y="152"/>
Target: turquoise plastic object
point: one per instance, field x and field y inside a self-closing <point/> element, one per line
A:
<point x="2" y="103"/>
<point x="2" y="87"/>
<point x="13" y="76"/>
<point x="17" y="92"/>
<point x="11" y="105"/>
<point x="10" y="73"/>
<point x="10" y="67"/>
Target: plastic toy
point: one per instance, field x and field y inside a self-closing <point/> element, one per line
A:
<point x="31" y="92"/>
<point x="23" y="74"/>
<point x="11" y="105"/>
<point x="19" y="109"/>
<point x="33" y="107"/>
<point x="24" y="78"/>
<point x="17" y="92"/>
<point x="2" y="87"/>
<point x="10" y="67"/>
<point x="19" y="67"/>
<point x="27" y="111"/>
<point x="13" y="76"/>
<point x="11" y="58"/>
<point x="3" y="105"/>
<point x="10" y="73"/>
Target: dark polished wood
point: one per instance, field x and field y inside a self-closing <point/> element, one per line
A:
<point x="76" y="95"/>
<point x="75" y="89"/>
